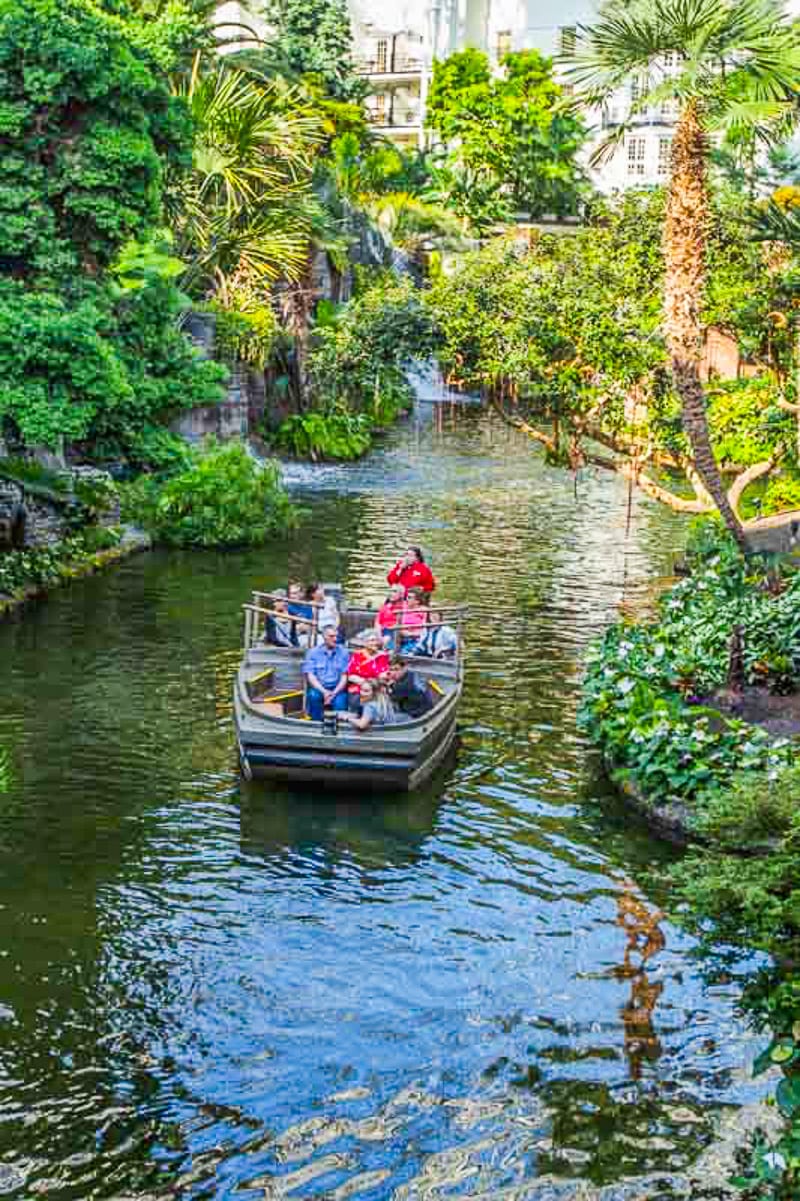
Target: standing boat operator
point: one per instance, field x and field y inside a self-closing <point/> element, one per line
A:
<point x="411" y="571"/>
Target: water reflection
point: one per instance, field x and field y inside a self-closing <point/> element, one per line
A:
<point x="210" y="989"/>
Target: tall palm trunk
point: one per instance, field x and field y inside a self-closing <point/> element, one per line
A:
<point x="685" y="233"/>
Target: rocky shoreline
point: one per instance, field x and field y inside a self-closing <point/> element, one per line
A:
<point x="133" y="541"/>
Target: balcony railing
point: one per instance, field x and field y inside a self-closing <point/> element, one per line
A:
<point x="397" y="64"/>
<point x="403" y="119"/>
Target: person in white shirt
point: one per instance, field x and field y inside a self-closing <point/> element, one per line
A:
<point x="439" y="641"/>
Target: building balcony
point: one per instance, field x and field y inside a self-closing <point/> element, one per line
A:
<point x="389" y="66"/>
<point x="405" y="119"/>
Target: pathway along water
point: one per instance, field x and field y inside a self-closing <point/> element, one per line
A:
<point x="212" y="990"/>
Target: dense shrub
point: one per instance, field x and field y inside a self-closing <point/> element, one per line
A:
<point x="644" y="682"/>
<point x="331" y="435"/>
<point x="359" y="356"/>
<point x="224" y="497"/>
<point x="89" y="126"/>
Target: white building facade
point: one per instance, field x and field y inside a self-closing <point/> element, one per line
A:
<point x="395" y="48"/>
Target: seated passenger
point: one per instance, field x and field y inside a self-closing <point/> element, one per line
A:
<point x="376" y="708"/>
<point x="389" y="611"/>
<point x="406" y="691"/>
<point x="298" y="607"/>
<point x="278" y="630"/>
<point x="328" y="614"/>
<point x="412" y="571"/>
<point x="439" y="641"/>
<point x="325" y="669"/>
<point x="369" y="662"/>
<point x="412" y="619"/>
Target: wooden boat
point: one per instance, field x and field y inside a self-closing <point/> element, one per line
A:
<point x="277" y="740"/>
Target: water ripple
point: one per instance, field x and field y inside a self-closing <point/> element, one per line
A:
<point x="211" y="989"/>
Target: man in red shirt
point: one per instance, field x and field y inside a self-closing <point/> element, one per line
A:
<point x="412" y="572"/>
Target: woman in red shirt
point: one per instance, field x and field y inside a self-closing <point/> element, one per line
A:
<point x="412" y="572"/>
<point x="369" y="663"/>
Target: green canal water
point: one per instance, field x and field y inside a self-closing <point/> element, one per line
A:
<point x="217" y="990"/>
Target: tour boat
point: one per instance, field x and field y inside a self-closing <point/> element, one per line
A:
<point x="277" y="740"/>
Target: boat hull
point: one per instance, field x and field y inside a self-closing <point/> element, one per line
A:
<point x="388" y="758"/>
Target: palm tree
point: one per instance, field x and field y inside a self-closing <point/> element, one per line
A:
<point x="247" y="206"/>
<point x="737" y="72"/>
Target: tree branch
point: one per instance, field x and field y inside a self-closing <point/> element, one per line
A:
<point x="743" y="481"/>
<point x="518" y="424"/>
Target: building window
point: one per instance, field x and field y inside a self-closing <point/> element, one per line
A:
<point x="636" y="89"/>
<point x="668" y="110"/>
<point x="664" y="155"/>
<point x="637" y="148"/>
<point x="567" y="39"/>
<point x="379" y="109"/>
<point x="381" y="55"/>
<point x="503" y="44"/>
<point x="671" y="59"/>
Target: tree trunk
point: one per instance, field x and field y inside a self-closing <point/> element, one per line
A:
<point x="297" y="303"/>
<point x="685" y="234"/>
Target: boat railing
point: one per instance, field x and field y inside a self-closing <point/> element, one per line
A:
<point x="256" y="613"/>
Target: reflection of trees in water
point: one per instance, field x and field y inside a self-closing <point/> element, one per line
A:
<point x="644" y="939"/>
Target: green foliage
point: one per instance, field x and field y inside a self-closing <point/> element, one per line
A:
<point x="158" y="449"/>
<point x="46" y="566"/>
<point x="90" y="351"/>
<point x="29" y="471"/>
<point x="314" y="37"/>
<point x="513" y="142"/>
<point x="643" y="682"/>
<point x="746" y="421"/>
<point x="96" y="372"/>
<point x="5" y="770"/>
<point x="245" y="336"/>
<point x="224" y="498"/>
<point x="782" y="494"/>
<point x="87" y="122"/>
<point x="571" y="326"/>
<point x="567" y="318"/>
<point x="329" y="435"/>
<point x="358" y="361"/>
<point x="247" y="207"/>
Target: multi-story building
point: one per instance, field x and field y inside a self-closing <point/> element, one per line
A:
<point x="396" y="52"/>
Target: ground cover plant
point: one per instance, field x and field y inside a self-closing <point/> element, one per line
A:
<point x="650" y="687"/>
<point x="652" y="703"/>
<point x="43" y="567"/>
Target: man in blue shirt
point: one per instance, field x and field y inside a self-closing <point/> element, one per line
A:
<point x="325" y="669"/>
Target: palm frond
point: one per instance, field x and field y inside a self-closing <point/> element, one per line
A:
<point x="772" y="222"/>
<point x="746" y="44"/>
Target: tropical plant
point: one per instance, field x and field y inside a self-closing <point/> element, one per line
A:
<point x="335" y="434"/>
<point x="737" y="68"/>
<point x="247" y="207"/>
<point x="225" y="497"/>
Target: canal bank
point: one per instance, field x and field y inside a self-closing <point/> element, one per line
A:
<point x="217" y="990"/>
